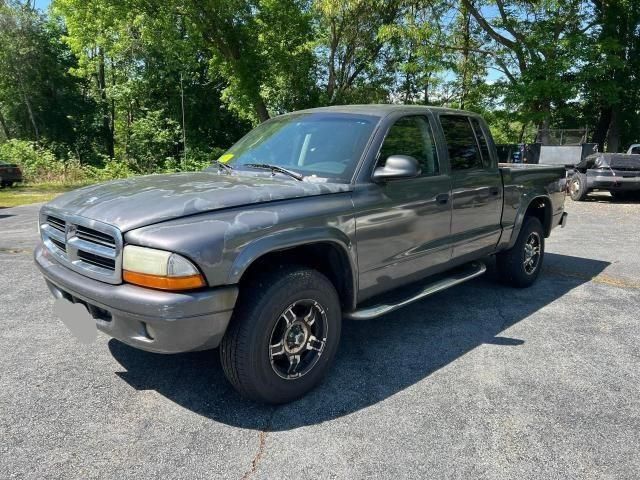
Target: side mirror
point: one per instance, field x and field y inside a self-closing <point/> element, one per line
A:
<point x="397" y="167"/>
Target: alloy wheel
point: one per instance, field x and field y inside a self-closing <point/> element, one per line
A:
<point x="532" y="253"/>
<point x="298" y="339"/>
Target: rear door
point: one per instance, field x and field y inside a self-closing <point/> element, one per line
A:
<point x="476" y="185"/>
<point x="402" y="226"/>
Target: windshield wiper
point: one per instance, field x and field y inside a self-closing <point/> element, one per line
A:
<point x="223" y="166"/>
<point x="276" y="168"/>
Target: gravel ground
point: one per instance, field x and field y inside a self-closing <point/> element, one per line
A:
<point x="537" y="383"/>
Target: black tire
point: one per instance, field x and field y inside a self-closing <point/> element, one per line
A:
<point x="246" y="349"/>
<point x="511" y="263"/>
<point x="578" y="187"/>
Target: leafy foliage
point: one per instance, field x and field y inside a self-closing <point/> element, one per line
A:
<point x="107" y="88"/>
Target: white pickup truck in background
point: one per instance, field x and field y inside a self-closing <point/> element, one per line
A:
<point x="634" y="149"/>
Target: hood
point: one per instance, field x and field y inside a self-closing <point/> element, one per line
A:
<point x="138" y="201"/>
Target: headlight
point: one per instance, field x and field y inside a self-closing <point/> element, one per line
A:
<point x="159" y="269"/>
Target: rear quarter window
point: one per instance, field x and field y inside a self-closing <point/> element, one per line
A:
<point x="482" y="142"/>
<point x="462" y="145"/>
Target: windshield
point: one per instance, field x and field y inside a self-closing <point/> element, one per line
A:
<point x="325" y="145"/>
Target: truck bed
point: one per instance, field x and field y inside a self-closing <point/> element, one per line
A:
<point x="525" y="181"/>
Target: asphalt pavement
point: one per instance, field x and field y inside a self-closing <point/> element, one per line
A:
<point x="480" y="381"/>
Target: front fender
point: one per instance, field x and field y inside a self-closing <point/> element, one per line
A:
<point x="290" y="239"/>
<point x="223" y="244"/>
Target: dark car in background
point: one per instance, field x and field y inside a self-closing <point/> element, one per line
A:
<point x="10" y="173"/>
<point x="617" y="173"/>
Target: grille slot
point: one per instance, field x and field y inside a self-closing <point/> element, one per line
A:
<point x="91" y="235"/>
<point x="56" y="223"/>
<point x="98" y="261"/>
<point x="59" y="244"/>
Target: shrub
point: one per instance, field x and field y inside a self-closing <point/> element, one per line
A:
<point x="40" y="165"/>
<point x="113" y="169"/>
<point x="152" y="141"/>
<point x="37" y="163"/>
<point x="196" y="160"/>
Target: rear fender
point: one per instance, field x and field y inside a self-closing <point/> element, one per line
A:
<point x="527" y="201"/>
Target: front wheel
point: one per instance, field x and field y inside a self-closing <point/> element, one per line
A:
<point x="578" y="187"/>
<point x="520" y="265"/>
<point x="283" y="336"/>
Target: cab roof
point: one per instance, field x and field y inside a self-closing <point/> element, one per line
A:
<point x="383" y="109"/>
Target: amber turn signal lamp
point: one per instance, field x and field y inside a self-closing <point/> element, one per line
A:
<point x="163" y="283"/>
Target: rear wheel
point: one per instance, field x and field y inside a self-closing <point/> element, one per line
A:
<point x="578" y="186"/>
<point x="520" y="265"/>
<point x="283" y="336"/>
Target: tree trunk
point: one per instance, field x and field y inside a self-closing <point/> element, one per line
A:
<point x="107" y="131"/>
<point x="5" y="127"/>
<point x="602" y="127"/>
<point x="32" y="118"/>
<point x="466" y="45"/>
<point x="613" y="137"/>
<point x="331" y="82"/>
<point x="426" y="88"/>
<point x="543" y="136"/>
<point x="522" y="130"/>
<point x="27" y="104"/>
<point x="261" y="110"/>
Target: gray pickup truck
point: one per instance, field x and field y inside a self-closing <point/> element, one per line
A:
<point x="312" y="217"/>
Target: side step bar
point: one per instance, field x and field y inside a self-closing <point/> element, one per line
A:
<point x="469" y="271"/>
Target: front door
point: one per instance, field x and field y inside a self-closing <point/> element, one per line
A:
<point x="402" y="226"/>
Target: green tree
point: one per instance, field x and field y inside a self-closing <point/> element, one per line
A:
<point x="39" y="100"/>
<point x="357" y="62"/>
<point x="611" y="86"/>
<point x="534" y="46"/>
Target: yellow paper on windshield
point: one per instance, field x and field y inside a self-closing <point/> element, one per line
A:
<point x="226" y="157"/>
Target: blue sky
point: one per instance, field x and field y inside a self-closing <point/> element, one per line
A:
<point x="42" y="4"/>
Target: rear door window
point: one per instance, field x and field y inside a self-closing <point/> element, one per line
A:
<point x="462" y="146"/>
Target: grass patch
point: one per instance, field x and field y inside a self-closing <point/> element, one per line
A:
<point x="26" y="194"/>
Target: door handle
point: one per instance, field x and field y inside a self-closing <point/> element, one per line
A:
<point x="494" y="190"/>
<point x="442" y="199"/>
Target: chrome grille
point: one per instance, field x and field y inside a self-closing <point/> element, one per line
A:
<point x="87" y="246"/>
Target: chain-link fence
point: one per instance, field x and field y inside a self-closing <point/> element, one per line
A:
<point x="562" y="136"/>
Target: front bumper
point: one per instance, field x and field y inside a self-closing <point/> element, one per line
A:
<point x="152" y="320"/>
<point x="617" y="180"/>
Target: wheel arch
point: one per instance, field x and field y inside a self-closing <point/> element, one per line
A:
<point x="329" y="251"/>
<point x="538" y="206"/>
